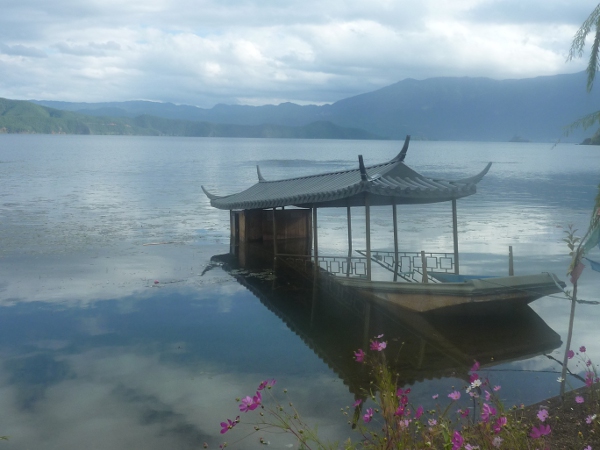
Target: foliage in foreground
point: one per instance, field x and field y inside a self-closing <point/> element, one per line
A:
<point x="394" y="422"/>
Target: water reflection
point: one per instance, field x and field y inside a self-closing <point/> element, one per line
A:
<point x="335" y="321"/>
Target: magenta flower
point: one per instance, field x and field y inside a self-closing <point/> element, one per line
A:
<point x="582" y="349"/>
<point x="588" y="363"/>
<point x="250" y="403"/>
<point x="475" y="367"/>
<point x="543" y="430"/>
<point x="457" y="441"/>
<point x="368" y="416"/>
<point x="464" y="413"/>
<point x="486" y="412"/>
<point x="579" y="399"/>
<point x="357" y="403"/>
<point x="454" y="395"/>
<point x="226" y="426"/>
<point x="419" y="412"/>
<point x="400" y="411"/>
<point x="359" y="356"/>
<point x="542" y="415"/>
<point x="570" y="354"/>
<point x="378" y="346"/>
<point x="500" y="422"/>
<point x="473" y="377"/>
<point x="247" y="404"/>
<point x="267" y="384"/>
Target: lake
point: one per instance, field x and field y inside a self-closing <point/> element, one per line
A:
<point x="97" y="355"/>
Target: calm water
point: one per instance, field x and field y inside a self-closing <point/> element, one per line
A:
<point x="96" y="355"/>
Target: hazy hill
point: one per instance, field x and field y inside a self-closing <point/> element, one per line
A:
<point x="536" y="109"/>
<point x="26" y="117"/>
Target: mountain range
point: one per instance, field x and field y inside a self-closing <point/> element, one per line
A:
<point x="447" y="108"/>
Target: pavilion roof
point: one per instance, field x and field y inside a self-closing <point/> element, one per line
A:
<point x="392" y="182"/>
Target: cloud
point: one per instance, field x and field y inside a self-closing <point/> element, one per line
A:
<point x="21" y="50"/>
<point x="210" y="52"/>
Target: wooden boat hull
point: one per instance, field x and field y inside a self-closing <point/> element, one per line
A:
<point x="482" y="295"/>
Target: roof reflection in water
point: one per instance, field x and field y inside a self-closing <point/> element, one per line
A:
<point x="334" y="322"/>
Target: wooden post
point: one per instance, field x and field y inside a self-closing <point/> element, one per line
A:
<point x="396" y="262"/>
<point x="349" y="261"/>
<point x="511" y="269"/>
<point x="455" y="236"/>
<point x="368" y="234"/>
<point x="315" y="239"/>
<point x="424" y="267"/>
<point x="274" y="234"/>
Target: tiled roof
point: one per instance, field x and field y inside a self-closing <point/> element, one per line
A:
<point x="386" y="184"/>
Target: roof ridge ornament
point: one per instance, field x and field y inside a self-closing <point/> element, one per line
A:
<point x="400" y="156"/>
<point x="363" y="171"/>
<point x="260" y="177"/>
<point x="209" y="195"/>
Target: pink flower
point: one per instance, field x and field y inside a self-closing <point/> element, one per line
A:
<point x="357" y="403"/>
<point x="454" y="395"/>
<point x="368" y="416"/>
<point x="588" y="363"/>
<point x="247" y="404"/>
<point x="590" y="419"/>
<point x="475" y="367"/>
<point x="486" y="412"/>
<point x="543" y="430"/>
<point x="542" y="415"/>
<point x="497" y="441"/>
<point x="359" y="356"/>
<point x="488" y="396"/>
<point x="379" y="336"/>
<point x="432" y="422"/>
<point x="582" y="349"/>
<point x="226" y="426"/>
<point x="250" y="403"/>
<point x="570" y="354"/>
<point x="497" y="388"/>
<point x="457" y="441"/>
<point x="464" y="413"/>
<point x="579" y="399"/>
<point x="500" y="422"/>
<point x="435" y="396"/>
<point x="378" y="346"/>
<point x="267" y="384"/>
<point x="589" y="447"/>
<point x="419" y="412"/>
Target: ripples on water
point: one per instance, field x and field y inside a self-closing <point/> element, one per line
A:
<point x="97" y="355"/>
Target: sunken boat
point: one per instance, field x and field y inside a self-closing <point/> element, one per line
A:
<point x="284" y="215"/>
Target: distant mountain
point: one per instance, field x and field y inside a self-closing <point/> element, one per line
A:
<point x="537" y="109"/>
<point x="27" y="117"/>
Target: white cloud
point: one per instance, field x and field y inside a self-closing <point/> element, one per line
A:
<point x="208" y="52"/>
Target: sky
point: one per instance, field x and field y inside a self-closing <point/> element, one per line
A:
<point x="256" y="52"/>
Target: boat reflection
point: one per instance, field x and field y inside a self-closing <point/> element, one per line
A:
<point x="334" y="322"/>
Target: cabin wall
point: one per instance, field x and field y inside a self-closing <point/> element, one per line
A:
<point x="256" y="225"/>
